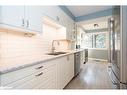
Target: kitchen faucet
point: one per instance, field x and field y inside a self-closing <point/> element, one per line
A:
<point x="53" y="47"/>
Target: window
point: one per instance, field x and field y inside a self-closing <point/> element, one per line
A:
<point x="88" y="41"/>
<point x="96" y="40"/>
<point x="100" y="40"/>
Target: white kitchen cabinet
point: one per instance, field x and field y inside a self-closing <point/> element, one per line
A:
<point x="12" y="16"/>
<point x="70" y="29"/>
<point x="13" y="76"/>
<point x="52" y="74"/>
<point x="63" y="19"/>
<point x="82" y="58"/>
<point x="50" y="11"/>
<point x="71" y="66"/>
<point x="44" y="79"/>
<point x="61" y="72"/>
<point x="66" y="21"/>
<point x="29" y="18"/>
<point x="26" y="18"/>
<point x="65" y="70"/>
<point x="33" y="18"/>
<point x="33" y="77"/>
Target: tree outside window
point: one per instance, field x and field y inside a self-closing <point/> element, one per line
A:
<point x="96" y="40"/>
<point x="100" y="40"/>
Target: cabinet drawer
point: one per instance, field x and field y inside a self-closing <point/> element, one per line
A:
<point x="22" y="73"/>
<point x="49" y="85"/>
<point x="35" y="79"/>
<point x="48" y="82"/>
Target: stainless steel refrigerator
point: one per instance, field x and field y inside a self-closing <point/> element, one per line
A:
<point x="118" y="47"/>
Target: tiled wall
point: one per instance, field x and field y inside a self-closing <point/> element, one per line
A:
<point x="16" y="48"/>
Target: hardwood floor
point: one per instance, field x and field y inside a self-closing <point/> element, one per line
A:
<point x="93" y="76"/>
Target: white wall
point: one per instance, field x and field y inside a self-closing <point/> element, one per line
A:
<point x="16" y="48"/>
<point x="98" y="54"/>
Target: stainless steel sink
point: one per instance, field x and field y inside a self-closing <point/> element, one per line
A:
<point x="56" y="53"/>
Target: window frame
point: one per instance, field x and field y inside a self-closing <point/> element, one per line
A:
<point x="94" y="41"/>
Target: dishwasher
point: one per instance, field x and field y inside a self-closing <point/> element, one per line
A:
<point x="77" y="58"/>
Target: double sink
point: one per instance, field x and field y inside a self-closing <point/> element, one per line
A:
<point x="56" y="53"/>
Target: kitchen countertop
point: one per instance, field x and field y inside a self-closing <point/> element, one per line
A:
<point x="5" y="68"/>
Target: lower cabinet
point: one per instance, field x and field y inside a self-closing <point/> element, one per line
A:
<point x="65" y="70"/>
<point x="42" y="76"/>
<point x="82" y="60"/>
<point x="45" y="79"/>
<point x="53" y="74"/>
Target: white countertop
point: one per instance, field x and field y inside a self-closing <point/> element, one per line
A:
<point x="5" y="68"/>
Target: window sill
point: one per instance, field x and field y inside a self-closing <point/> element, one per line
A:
<point x="98" y="48"/>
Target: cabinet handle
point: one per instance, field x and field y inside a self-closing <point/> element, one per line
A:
<point x="27" y="22"/>
<point x="39" y="67"/>
<point x="39" y="74"/>
<point x="23" y="22"/>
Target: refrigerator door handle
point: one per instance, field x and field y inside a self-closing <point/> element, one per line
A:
<point x="109" y="51"/>
<point x="111" y="40"/>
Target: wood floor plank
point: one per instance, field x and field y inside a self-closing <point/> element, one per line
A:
<point x="94" y="75"/>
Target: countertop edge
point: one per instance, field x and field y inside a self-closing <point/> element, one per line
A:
<point x="38" y="62"/>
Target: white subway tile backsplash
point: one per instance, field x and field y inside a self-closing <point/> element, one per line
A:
<point x="16" y="48"/>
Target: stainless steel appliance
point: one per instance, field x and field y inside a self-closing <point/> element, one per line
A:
<point x="77" y="61"/>
<point x="86" y="55"/>
<point x="116" y="39"/>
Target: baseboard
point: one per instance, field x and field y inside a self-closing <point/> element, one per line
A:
<point x="98" y="59"/>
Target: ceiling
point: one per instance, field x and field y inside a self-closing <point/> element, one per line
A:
<point x="85" y="10"/>
<point x="101" y="25"/>
<point x="89" y="25"/>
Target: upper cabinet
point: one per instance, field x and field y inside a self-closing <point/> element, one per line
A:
<point x="33" y="18"/>
<point x="66" y="21"/>
<point x="12" y="16"/>
<point x="30" y="18"/>
<point x="23" y="17"/>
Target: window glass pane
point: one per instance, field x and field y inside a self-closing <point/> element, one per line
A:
<point x="100" y="40"/>
<point x="88" y="41"/>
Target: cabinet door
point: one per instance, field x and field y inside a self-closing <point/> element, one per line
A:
<point x="70" y="29"/>
<point x="61" y="78"/>
<point x="12" y="16"/>
<point x="71" y="67"/>
<point x="33" y="16"/>
<point x="51" y="12"/>
<point x="65" y="70"/>
<point x="81" y="59"/>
